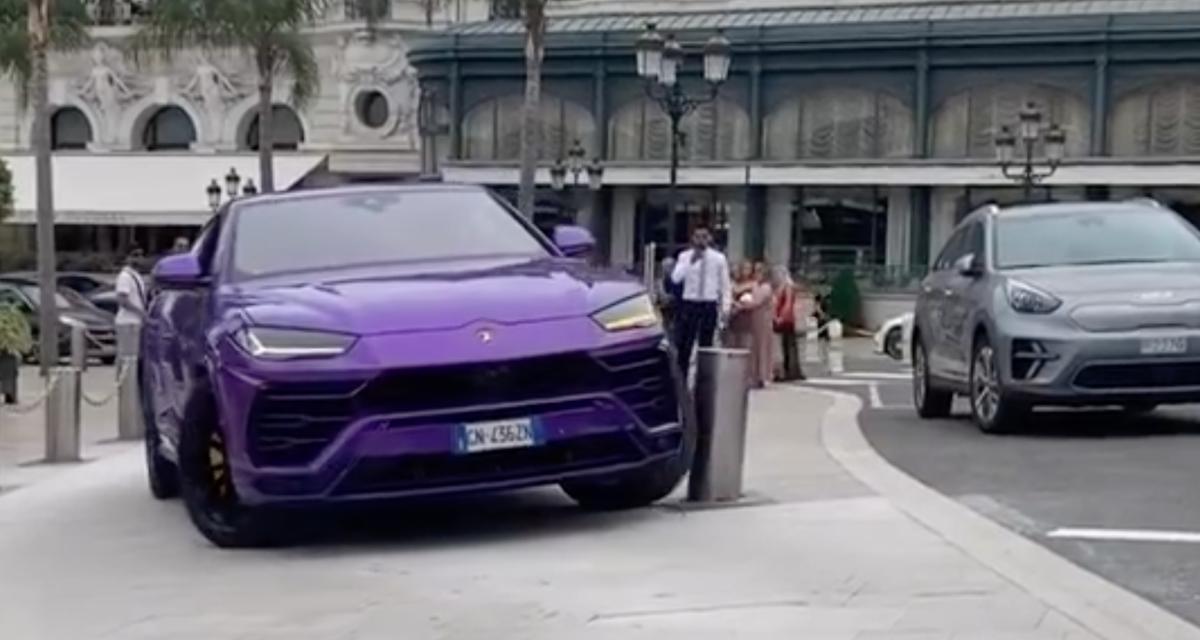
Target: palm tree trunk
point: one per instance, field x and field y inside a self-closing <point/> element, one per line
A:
<point x="266" y="128"/>
<point x="531" y="112"/>
<point x="39" y="92"/>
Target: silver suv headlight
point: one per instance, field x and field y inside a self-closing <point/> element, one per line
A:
<point x="289" y="344"/>
<point x="1026" y="298"/>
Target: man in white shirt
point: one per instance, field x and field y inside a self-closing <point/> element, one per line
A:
<point x="704" y="273"/>
<point x="131" y="290"/>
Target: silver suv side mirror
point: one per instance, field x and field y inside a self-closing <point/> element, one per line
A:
<point x="968" y="266"/>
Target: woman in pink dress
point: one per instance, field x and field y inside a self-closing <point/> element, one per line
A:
<point x="762" y="328"/>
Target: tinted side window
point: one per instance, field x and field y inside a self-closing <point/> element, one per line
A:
<point x="951" y="252"/>
<point x="973" y="242"/>
<point x="206" y="243"/>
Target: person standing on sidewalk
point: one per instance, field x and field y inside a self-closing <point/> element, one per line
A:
<point x="704" y="274"/>
<point x="785" y="326"/>
<point x="131" y="301"/>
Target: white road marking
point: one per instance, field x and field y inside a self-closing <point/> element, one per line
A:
<point x="1126" y="535"/>
<point x="834" y="382"/>
<point x="876" y="401"/>
<point x="881" y="375"/>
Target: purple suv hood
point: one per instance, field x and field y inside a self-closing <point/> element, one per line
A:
<point x="430" y="296"/>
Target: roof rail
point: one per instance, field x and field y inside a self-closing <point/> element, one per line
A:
<point x="1146" y="200"/>
<point x="990" y="207"/>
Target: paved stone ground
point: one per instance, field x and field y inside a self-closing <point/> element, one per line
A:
<point x="813" y="554"/>
<point x="23" y="440"/>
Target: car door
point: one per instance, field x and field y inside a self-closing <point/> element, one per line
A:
<point x="957" y="302"/>
<point x="173" y="337"/>
<point x="931" y="306"/>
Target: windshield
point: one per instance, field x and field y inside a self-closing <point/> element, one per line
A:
<point x="1091" y="237"/>
<point x="347" y="230"/>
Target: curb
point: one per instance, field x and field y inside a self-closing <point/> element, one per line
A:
<point x="1103" y="608"/>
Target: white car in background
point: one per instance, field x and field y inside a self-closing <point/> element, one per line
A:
<point x="889" y="340"/>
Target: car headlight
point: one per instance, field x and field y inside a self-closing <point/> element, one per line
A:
<point x="637" y="312"/>
<point x="1026" y="298"/>
<point x="287" y="344"/>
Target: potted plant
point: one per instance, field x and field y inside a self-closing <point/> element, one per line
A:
<point x="16" y="340"/>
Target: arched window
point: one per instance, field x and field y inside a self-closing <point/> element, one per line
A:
<point x="492" y="129"/>
<point x="69" y="129"/>
<point x="839" y="123"/>
<point x="1162" y="119"/>
<point x="169" y="129"/>
<point x="289" y="133"/>
<point x="718" y="130"/>
<point x="965" y="125"/>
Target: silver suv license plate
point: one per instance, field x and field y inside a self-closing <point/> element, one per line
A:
<point x="1164" y="346"/>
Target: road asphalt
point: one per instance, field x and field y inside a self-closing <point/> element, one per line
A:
<point x="1113" y="493"/>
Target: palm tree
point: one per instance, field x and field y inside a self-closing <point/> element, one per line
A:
<point x="270" y="31"/>
<point x="28" y="30"/>
<point x="533" y="16"/>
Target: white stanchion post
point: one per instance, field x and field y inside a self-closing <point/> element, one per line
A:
<point x="129" y="408"/>
<point x="906" y="335"/>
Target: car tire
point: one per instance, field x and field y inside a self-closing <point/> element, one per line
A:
<point x="891" y="343"/>
<point x="162" y="474"/>
<point x="650" y="484"/>
<point x="108" y="361"/>
<point x="931" y="402"/>
<point x="207" y="487"/>
<point x="992" y="409"/>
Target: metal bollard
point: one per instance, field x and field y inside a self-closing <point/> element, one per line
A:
<point x="79" y="349"/>
<point x="906" y="335"/>
<point x="812" y="351"/>
<point x="836" y="356"/>
<point x="129" y="408"/>
<point x="722" y="402"/>
<point x="649" y="267"/>
<point x="62" y="415"/>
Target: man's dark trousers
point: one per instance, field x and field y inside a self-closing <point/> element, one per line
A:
<point x="696" y="322"/>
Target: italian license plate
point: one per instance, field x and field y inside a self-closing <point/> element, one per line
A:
<point x="1164" y="346"/>
<point x="496" y="435"/>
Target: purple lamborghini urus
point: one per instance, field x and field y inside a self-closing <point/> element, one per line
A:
<point x="390" y="342"/>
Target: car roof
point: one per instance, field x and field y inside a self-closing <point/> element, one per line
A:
<point x="304" y="194"/>
<point x="1083" y="207"/>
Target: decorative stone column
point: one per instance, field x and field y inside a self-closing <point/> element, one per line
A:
<point x="899" y="222"/>
<point x="622" y="253"/>
<point x="778" y="241"/>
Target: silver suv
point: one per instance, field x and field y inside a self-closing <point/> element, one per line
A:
<point x="1067" y="304"/>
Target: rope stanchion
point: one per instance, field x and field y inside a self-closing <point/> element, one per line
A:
<point x="37" y="403"/>
<point x="125" y="366"/>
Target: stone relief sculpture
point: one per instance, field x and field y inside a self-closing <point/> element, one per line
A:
<point x="109" y="89"/>
<point x="380" y="63"/>
<point x="214" y="91"/>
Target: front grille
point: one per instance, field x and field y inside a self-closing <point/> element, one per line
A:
<point x="642" y="380"/>
<point x="425" y="472"/>
<point x="292" y="423"/>
<point x="1164" y="375"/>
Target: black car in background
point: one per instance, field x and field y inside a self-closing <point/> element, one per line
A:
<point x="73" y="307"/>
<point x="98" y="289"/>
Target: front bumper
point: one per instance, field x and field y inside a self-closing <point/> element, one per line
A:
<point x="1073" y="367"/>
<point x="345" y="436"/>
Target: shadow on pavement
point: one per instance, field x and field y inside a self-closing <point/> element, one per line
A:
<point x="448" y="522"/>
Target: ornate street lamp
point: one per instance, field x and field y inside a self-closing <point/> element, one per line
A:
<point x="233" y="188"/>
<point x="1029" y="133"/>
<point x="574" y="164"/>
<point x="232" y="182"/>
<point x="214" y="195"/>
<point x="659" y="61"/>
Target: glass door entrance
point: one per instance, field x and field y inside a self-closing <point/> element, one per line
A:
<point x="694" y="208"/>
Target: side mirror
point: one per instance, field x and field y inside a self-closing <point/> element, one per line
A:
<point x="574" y="242"/>
<point x="968" y="266"/>
<point x="179" y="271"/>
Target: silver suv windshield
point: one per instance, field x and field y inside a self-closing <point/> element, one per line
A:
<point x="1089" y="237"/>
